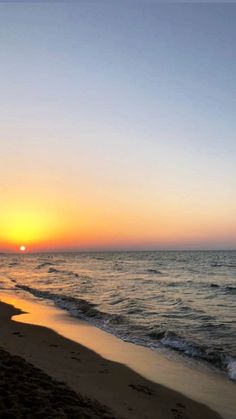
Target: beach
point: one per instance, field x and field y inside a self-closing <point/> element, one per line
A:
<point x="27" y="391"/>
<point x="99" y="387"/>
<point x="117" y="215"/>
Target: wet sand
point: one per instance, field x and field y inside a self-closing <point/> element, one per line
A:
<point x="99" y="381"/>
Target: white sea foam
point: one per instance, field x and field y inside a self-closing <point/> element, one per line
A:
<point x="231" y="367"/>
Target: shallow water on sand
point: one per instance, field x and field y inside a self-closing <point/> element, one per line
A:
<point x="184" y="301"/>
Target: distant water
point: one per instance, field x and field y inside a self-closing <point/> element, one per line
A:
<point x="185" y="301"/>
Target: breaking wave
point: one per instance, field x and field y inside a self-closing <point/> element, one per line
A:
<point x="120" y="326"/>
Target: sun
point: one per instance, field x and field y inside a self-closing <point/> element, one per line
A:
<point x="22" y="248"/>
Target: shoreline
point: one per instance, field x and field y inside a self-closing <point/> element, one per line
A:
<point x="123" y="391"/>
<point x="193" y="380"/>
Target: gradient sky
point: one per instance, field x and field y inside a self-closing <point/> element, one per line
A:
<point x="117" y="125"/>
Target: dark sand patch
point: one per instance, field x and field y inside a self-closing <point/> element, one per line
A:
<point x="27" y="392"/>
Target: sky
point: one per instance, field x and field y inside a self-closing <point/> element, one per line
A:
<point x="117" y="125"/>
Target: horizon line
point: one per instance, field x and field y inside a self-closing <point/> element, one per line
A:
<point x="116" y="251"/>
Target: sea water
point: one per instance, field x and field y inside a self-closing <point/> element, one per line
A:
<point x="181" y="300"/>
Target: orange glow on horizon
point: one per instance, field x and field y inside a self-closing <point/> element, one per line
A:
<point x="70" y="225"/>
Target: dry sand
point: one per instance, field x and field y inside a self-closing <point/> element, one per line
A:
<point x="26" y="392"/>
<point x="95" y="382"/>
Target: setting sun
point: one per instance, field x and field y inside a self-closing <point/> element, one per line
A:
<point x="117" y="209"/>
<point x="24" y="224"/>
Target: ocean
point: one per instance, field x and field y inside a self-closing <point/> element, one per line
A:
<point x="181" y="300"/>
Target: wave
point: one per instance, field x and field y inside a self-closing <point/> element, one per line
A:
<point x="230" y="289"/>
<point x="77" y="307"/>
<point x="215" y="357"/>
<point x="54" y="270"/>
<point x="44" y="264"/>
<point x="224" y="288"/>
<point x="13" y="264"/>
<point x="223" y="265"/>
<point x="154" y="271"/>
<point x="120" y="326"/>
<point x="173" y="341"/>
<point x="231" y="367"/>
<point x="217" y="265"/>
<point x="117" y="301"/>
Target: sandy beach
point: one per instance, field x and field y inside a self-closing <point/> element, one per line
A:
<point x="117" y="215"/>
<point x="27" y="391"/>
<point x="51" y="365"/>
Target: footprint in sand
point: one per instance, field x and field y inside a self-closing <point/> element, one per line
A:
<point x="75" y="358"/>
<point x="142" y="389"/>
<point x="18" y="334"/>
<point x="177" y="414"/>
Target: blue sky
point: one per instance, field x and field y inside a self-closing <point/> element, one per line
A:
<point x="135" y="98"/>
